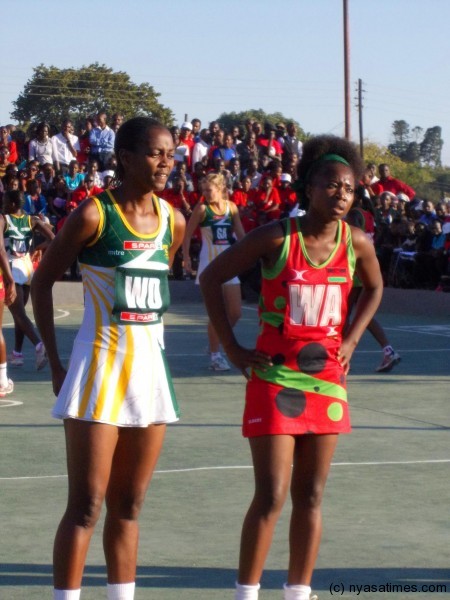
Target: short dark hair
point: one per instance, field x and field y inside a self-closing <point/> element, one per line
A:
<point x="15" y="197"/>
<point x="131" y="136"/>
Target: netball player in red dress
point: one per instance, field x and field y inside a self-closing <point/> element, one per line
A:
<point x="296" y="401"/>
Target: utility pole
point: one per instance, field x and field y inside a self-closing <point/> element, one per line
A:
<point x="346" y="70"/>
<point x="360" y="107"/>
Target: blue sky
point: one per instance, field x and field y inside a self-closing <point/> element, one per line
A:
<point x="207" y="57"/>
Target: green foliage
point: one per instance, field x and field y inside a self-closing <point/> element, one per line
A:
<point x="431" y="146"/>
<point x="229" y="120"/>
<point x="53" y="94"/>
<point x="412" y="146"/>
<point x="428" y="182"/>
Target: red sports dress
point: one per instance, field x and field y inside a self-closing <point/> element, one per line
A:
<point x="303" y="307"/>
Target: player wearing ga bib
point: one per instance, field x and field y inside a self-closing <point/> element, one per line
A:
<point x="217" y="235"/>
<point x="18" y="237"/>
<point x="302" y="310"/>
<point x="118" y="372"/>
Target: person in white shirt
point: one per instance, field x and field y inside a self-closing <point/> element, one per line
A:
<point x="40" y="148"/>
<point x="65" y="147"/>
<point x="201" y="148"/>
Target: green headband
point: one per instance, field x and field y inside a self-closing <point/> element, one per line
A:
<point x="331" y="157"/>
<point x="299" y="185"/>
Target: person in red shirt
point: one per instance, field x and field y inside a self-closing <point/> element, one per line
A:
<point x="387" y="183"/>
<point x="288" y="196"/>
<point x="86" y="189"/>
<point x="9" y="145"/>
<point x="186" y="139"/>
<point x="178" y="197"/>
<point x="268" y="143"/>
<point x="244" y="198"/>
<point x="267" y="199"/>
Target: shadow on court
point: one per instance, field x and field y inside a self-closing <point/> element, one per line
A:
<point x="223" y="579"/>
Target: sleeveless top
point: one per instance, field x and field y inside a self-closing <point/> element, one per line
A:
<point x="303" y="308"/>
<point x="140" y="261"/>
<point x="304" y="300"/>
<point x="18" y="234"/>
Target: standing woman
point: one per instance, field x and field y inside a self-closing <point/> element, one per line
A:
<point x="296" y="401"/>
<point x="117" y="395"/>
<point x="218" y="219"/>
<point x="18" y="235"/>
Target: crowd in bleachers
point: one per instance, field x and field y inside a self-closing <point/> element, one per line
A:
<point x="56" y="170"/>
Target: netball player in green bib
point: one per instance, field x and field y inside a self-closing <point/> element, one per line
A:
<point x="220" y="226"/>
<point x="117" y="395"/>
<point x="296" y="400"/>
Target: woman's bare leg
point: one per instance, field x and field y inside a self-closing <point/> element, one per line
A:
<point x="134" y="461"/>
<point x="90" y="450"/>
<point x="312" y="460"/>
<point x="272" y="462"/>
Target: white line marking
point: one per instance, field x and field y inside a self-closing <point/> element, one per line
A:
<point x="8" y="403"/>
<point x="241" y="467"/>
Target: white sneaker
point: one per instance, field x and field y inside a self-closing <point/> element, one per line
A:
<point x="8" y="389"/>
<point x="389" y="361"/>
<point x="41" y="356"/>
<point x="16" y="359"/>
<point x="219" y="364"/>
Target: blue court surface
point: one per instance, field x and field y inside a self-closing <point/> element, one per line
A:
<point x="386" y="508"/>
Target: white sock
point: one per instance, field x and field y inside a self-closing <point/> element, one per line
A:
<point x="296" y="592"/>
<point x="39" y="345"/>
<point x="388" y="349"/>
<point x="3" y="375"/>
<point x="215" y="355"/>
<point x="120" y="591"/>
<point x="66" y="594"/>
<point x="246" y="592"/>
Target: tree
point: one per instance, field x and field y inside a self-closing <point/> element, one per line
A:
<point x="229" y="120"/>
<point x="400" y="133"/>
<point x="53" y="94"/>
<point x="431" y="147"/>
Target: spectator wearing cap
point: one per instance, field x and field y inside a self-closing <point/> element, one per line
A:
<point x="288" y="196"/>
<point x="187" y="139"/>
<point x="387" y="183"/>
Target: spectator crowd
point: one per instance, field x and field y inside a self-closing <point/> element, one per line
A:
<point x="55" y="171"/>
